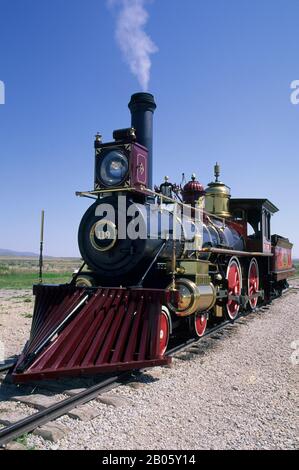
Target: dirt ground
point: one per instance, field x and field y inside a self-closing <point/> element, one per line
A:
<point x="16" y="308"/>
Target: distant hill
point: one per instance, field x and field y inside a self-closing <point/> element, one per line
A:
<point x="27" y="254"/>
<point x="4" y="252"/>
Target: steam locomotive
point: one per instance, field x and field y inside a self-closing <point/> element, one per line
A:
<point x="160" y="264"/>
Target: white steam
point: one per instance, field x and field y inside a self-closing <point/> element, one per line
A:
<point x="133" y="41"/>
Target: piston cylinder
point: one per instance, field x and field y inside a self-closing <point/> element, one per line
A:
<point x="193" y="298"/>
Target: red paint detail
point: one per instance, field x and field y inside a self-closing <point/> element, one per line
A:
<point x="91" y="370"/>
<point x="144" y="339"/>
<point x="55" y="304"/>
<point x="200" y="323"/>
<point x="234" y="278"/>
<point x="96" y="319"/>
<point x="266" y="247"/>
<point x="115" y="329"/>
<point x="120" y="342"/>
<point x="282" y="258"/>
<point x="139" y="171"/>
<point x="129" y="354"/>
<point x="240" y="227"/>
<point x="164" y="332"/>
<point x="193" y="186"/>
<point x="192" y="191"/>
<point x="253" y="282"/>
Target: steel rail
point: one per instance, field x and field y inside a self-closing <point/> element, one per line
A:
<point x="7" y="365"/>
<point x="181" y="347"/>
<point x="54" y="411"/>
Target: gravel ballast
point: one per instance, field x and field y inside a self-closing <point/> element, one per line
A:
<point x="238" y="392"/>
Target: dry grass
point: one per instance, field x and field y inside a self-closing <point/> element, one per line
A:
<point x="21" y="273"/>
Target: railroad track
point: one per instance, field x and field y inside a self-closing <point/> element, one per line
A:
<point x="65" y="405"/>
<point x="7" y="365"/>
<point x="55" y="411"/>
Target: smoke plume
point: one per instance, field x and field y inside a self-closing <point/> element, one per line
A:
<point x="135" y="44"/>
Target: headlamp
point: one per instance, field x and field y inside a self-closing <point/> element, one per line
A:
<point x="112" y="168"/>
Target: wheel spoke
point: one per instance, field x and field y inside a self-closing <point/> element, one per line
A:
<point x="253" y="282"/>
<point x="164" y="332"/>
<point x="200" y="323"/>
<point x="234" y="277"/>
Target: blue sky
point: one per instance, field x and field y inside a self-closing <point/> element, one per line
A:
<point x="221" y="79"/>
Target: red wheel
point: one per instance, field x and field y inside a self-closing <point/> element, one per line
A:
<point x="164" y="331"/>
<point x="253" y="282"/>
<point x="200" y="323"/>
<point x="234" y="278"/>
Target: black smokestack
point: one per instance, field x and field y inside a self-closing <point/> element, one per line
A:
<point x="142" y="107"/>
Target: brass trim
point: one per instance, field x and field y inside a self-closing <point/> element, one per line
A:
<point x="85" y="281"/>
<point x="201" y="298"/>
<point x="92" y="233"/>
<point x="218" y="311"/>
<point x="224" y="251"/>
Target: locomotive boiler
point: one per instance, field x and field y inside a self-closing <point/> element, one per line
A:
<point x="161" y="264"/>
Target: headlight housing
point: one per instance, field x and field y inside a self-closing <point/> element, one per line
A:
<point x="112" y="168"/>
